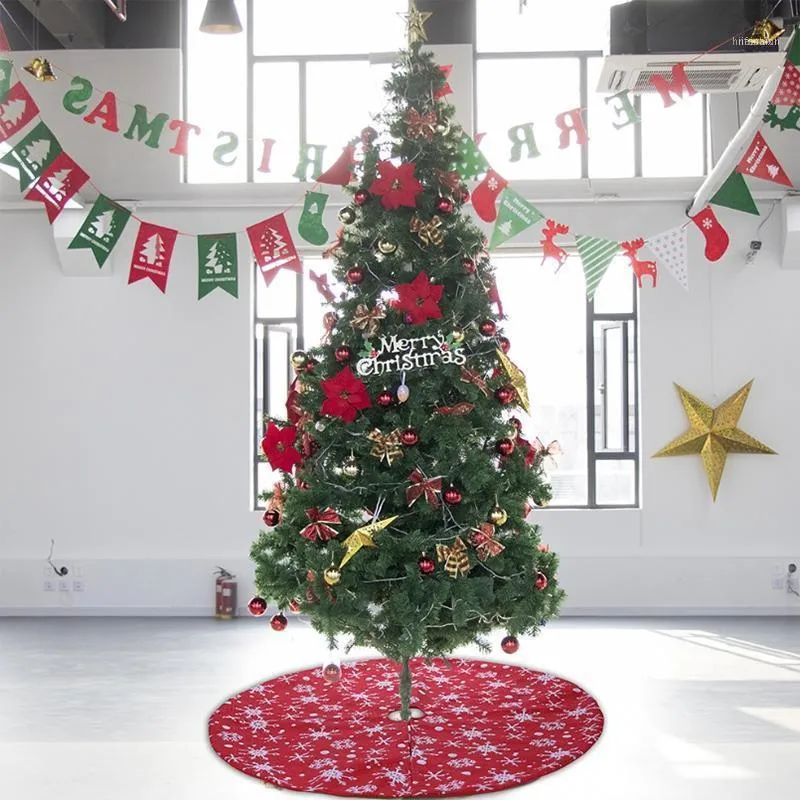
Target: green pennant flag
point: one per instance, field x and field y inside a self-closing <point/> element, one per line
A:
<point x="469" y="161"/>
<point x="217" y="264"/>
<point x="794" y="48"/>
<point x="596" y="256"/>
<point x="514" y="216"/>
<point x="33" y="154"/>
<point x="735" y="194"/>
<point x="6" y="73"/>
<point x="101" y="229"/>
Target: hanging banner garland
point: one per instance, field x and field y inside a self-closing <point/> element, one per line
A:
<point x="152" y="254"/>
<point x="101" y="229"/>
<point x="273" y="247"/>
<point x="217" y="264"/>
<point x="57" y="185"/>
<point x="516" y="215"/>
<point x="16" y="111"/>
<point x="33" y="154"/>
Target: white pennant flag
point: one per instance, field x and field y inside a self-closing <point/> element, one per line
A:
<point x="671" y="252"/>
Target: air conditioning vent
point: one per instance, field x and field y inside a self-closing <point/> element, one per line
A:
<point x="710" y="73"/>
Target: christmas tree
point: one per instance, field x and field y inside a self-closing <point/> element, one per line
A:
<point x="400" y="520"/>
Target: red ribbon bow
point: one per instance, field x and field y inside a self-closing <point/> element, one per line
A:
<point x="473" y="377"/>
<point x="482" y="539"/>
<point x="320" y="527"/>
<point x="423" y="486"/>
<point x="322" y="285"/>
<point x="543" y="451"/>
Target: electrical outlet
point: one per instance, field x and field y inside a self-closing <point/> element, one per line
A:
<point x="77" y="586"/>
<point x="49" y="586"/>
<point x="63" y="586"/>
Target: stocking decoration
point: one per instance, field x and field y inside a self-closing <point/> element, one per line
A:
<point x="310" y="226"/>
<point x="717" y="240"/>
<point x="340" y="172"/>
<point x="484" y="198"/>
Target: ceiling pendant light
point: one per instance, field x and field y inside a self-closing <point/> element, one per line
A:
<point x="220" y="16"/>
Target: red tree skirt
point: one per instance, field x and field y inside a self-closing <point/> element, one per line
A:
<point x="486" y="727"/>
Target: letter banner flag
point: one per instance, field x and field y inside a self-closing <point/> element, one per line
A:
<point x="152" y="254"/>
<point x="217" y="264"/>
<point x="273" y="247"/>
<point x="101" y="229"/>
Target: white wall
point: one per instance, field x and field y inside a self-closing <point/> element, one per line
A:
<point x="125" y="415"/>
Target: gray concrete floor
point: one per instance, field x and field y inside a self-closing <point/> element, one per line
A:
<point x="116" y="709"/>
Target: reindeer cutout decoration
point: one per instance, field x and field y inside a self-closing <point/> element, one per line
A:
<point x="640" y="268"/>
<point x="551" y="250"/>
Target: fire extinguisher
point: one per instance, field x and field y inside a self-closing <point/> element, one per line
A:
<point x="225" y="594"/>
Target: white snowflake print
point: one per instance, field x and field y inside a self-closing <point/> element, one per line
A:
<point x="330" y="708"/>
<point x="258" y="725"/>
<point x="433" y="776"/>
<point x="335" y="774"/>
<point x="461" y="709"/>
<point x="492" y="184"/>
<point x="545" y="677"/>
<point x="386" y="683"/>
<point x="305" y="688"/>
<point x="560" y="754"/>
<point x="426" y="740"/>
<point x="262" y="768"/>
<point x="553" y="725"/>
<point x="487" y="748"/>
<point x="504" y="776"/>
<point x="450" y="697"/>
<point x="258" y="752"/>
<point x="319" y="734"/>
<point x="253" y="711"/>
<point x="707" y="223"/>
<point x="344" y="744"/>
<point x="300" y="758"/>
<point x="366" y="789"/>
<point x="577" y="713"/>
<point x="496" y="684"/>
<point x="395" y="776"/>
<point x="510" y="761"/>
<point x="361" y="697"/>
<point x="463" y="763"/>
<point x="373" y="729"/>
<point x="230" y="736"/>
<point x="452" y="786"/>
<point x="524" y="716"/>
<point x="543" y="743"/>
<point x="323" y="763"/>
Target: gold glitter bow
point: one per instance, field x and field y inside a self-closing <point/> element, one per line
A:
<point x="517" y="378"/>
<point x="482" y="539"/>
<point x="455" y="558"/>
<point x="428" y="232"/>
<point x="363" y="537"/>
<point x="420" y="126"/>
<point x="386" y="445"/>
<point x="366" y="320"/>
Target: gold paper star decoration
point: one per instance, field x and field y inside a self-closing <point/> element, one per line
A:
<point x="517" y="378"/>
<point x="415" y="23"/>
<point x="713" y="433"/>
<point x="363" y="537"/>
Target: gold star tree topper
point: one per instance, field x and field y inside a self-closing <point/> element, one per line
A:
<point x="363" y="537"/>
<point x="713" y="433"/>
<point x="415" y="23"/>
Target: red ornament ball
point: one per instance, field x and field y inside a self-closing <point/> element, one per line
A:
<point x="505" y="447"/>
<point x="426" y="565"/>
<point x="463" y="195"/>
<point x="385" y="399"/>
<point x="452" y="496"/>
<point x="361" y="197"/>
<point x="505" y="344"/>
<point x="343" y="353"/>
<point x="332" y="673"/>
<point x="517" y="423"/>
<point x="469" y="266"/>
<point x="310" y="364"/>
<point x="294" y="607"/>
<point x="408" y="319"/>
<point x="272" y="517"/>
<point x="444" y="205"/>
<point x="505" y="394"/>
<point x="369" y="135"/>
<point x="541" y="581"/>
<point x="257" y="606"/>
<point x="510" y="644"/>
<point x="278" y="622"/>
<point x="409" y="437"/>
<point x="355" y="275"/>
<point x="488" y="328"/>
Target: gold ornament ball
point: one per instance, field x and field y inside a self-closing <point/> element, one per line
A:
<point x="347" y="215"/>
<point x="351" y="468"/>
<point x="332" y="576"/>
<point x="299" y="358"/>
<point x="458" y="337"/>
<point x="443" y="127"/>
<point x="386" y="247"/>
<point x="498" y="516"/>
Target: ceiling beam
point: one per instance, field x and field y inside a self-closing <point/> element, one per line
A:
<point x="75" y="23"/>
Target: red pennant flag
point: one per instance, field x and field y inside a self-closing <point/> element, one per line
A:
<point x="759" y="162"/>
<point x="4" y="45"/>
<point x="273" y="247"/>
<point x="341" y="171"/>
<point x="152" y="254"/>
<point x="16" y="111"/>
<point x="788" y="91"/>
<point x="57" y="185"/>
<point x="445" y="89"/>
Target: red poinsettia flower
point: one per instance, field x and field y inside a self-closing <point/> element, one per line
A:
<point x="396" y="186"/>
<point x="420" y="299"/>
<point x="345" y="395"/>
<point x="278" y="447"/>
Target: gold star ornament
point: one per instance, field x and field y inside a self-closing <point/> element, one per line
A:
<point x="415" y="23"/>
<point x="363" y="537"/>
<point x="713" y="434"/>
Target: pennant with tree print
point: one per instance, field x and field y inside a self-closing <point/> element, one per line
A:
<point x="17" y="109"/>
<point x="788" y="90"/>
<point x="217" y="264"/>
<point x="759" y="162"/>
<point x="671" y="251"/>
<point x="57" y="185"/>
<point x="152" y="254"/>
<point x="273" y="247"/>
<point x="6" y="73"/>
<point x="735" y="194"/>
<point x="33" y="154"/>
<point x="5" y="47"/>
<point x="515" y="215"/>
<point x="596" y="256"/>
<point x="101" y="229"/>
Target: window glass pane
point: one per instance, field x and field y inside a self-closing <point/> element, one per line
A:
<point x="582" y="25"/>
<point x="633" y="389"/>
<point x="216" y="95"/>
<point x="551" y="85"/>
<point x="314" y="305"/>
<point x="615" y="293"/>
<point x="259" y="331"/>
<point x="279" y="347"/>
<point x="266" y="478"/>
<point x="278" y="299"/>
<point x="343" y="96"/>
<point x="616" y="483"/>
<point x="609" y="373"/>
<point x="276" y="115"/>
<point x="550" y="347"/>
<point x="672" y="138"/>
<point x="312" y="27"/>
<point x="611" y="151"/>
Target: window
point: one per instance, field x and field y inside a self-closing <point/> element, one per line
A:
<point x="580" y="361"/>
<point x="579" y="358"/>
